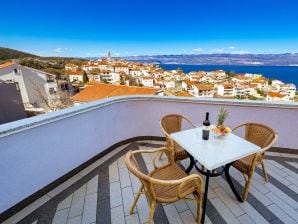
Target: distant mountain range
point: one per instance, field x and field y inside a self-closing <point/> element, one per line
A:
<point x="286" y="59"/>
<point x="221" y="59"/>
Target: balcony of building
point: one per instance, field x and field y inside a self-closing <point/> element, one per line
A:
<point x="67" y="166"/>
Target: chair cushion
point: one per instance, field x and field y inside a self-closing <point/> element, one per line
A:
<point x="166" y="193"/>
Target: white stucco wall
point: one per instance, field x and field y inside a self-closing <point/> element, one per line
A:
<point x="36" y="151"/>
<point x="8" y="74"/>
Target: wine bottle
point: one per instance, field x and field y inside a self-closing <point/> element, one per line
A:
<point x="206" y="127"/>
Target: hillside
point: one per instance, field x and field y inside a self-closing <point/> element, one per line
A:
<point x="7" y="54"/>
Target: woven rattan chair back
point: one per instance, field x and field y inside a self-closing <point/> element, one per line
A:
<point x="171" y="123"/>
<point x="259" y="134"/>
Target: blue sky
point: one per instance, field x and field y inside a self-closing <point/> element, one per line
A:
<point x="138" y="27"/>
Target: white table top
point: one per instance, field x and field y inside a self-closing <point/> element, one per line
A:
<point x="215" y="152"/>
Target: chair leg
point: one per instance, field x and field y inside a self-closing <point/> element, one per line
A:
<point x="264" y="171"/>
<point x="199" y="208"/>
<point x="152" y="210"/>
<point x="246" y="188"/>
<point x="249" y="176"/>
<point x="136" y="199"/>
<point x="160" y="155"/>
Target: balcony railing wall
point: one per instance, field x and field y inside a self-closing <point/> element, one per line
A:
<point x="35" y="152"/>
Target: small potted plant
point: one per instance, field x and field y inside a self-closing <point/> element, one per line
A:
<point x="220" y="128"/>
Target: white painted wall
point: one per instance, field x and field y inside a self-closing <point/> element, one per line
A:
<point x="8" y="74"/>
<point x="36" y="151"/>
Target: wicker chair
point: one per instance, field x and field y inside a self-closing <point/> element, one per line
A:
<point x="262" y="136"/>
<point x="170" y="124"/>
<point x="165" y="184"/>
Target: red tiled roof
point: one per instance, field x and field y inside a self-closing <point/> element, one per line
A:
<point x="276" y="94"/>
<point x="102" y="91"/>
<point x="228" y="86"/>
<point x="190" y="83"/>
<point x="204" y="87"/>
<point x="184" y="94"/>
<point x="119" y="65"/>
<point x="147" y="78"/>
<point x="253" y="85"/>
<point x="103" y="62"/>
<point x="259" y="80"/>
<point x="6" y="64"/>
<point x="241" y="77"/>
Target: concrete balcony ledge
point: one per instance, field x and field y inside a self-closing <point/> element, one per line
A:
<point x="24" y="124"/>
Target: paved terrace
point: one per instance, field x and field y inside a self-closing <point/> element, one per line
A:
<point x="104" y="192"/>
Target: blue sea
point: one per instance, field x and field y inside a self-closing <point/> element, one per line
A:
<point x="287" y="74"/>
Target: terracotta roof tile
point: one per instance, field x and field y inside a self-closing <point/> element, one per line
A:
<point x="276" y="94"/>
<point x="6" y="64"/>
<point x="148" y="78"/>
<point x="190" y="83"/>
<point x="102" y="91"/>
<point x="184" y="94"/>
<point x="241" y="77"/>
<point x="228" y="86"/>
<point x="204" y="87"/>
<point x="259" y="80"/>
<point x="253" y="85"/>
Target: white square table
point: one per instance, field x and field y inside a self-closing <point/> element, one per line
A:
<point x="214" y="153"/>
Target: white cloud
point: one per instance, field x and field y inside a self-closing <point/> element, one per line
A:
<point x="96" y="54"/>
<point x="241" y="52"/>
<point x="197" y="50"/>
<point x="218" y="50"/>
<point x="40" y="53"/>
<point x="25" y="50"/>
<point x="102" y="54"/>
<point x="117" y="54"/>
<point x="61" y="49"/>
<point x="58" y="50"/>
<point x="232" y="47"/>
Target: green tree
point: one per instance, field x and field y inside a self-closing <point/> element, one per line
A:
<point x="260" y="92"/>
<point x="230" y="74"/>
<point x="122" y="80"/>
<point x="252" y="98"/>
